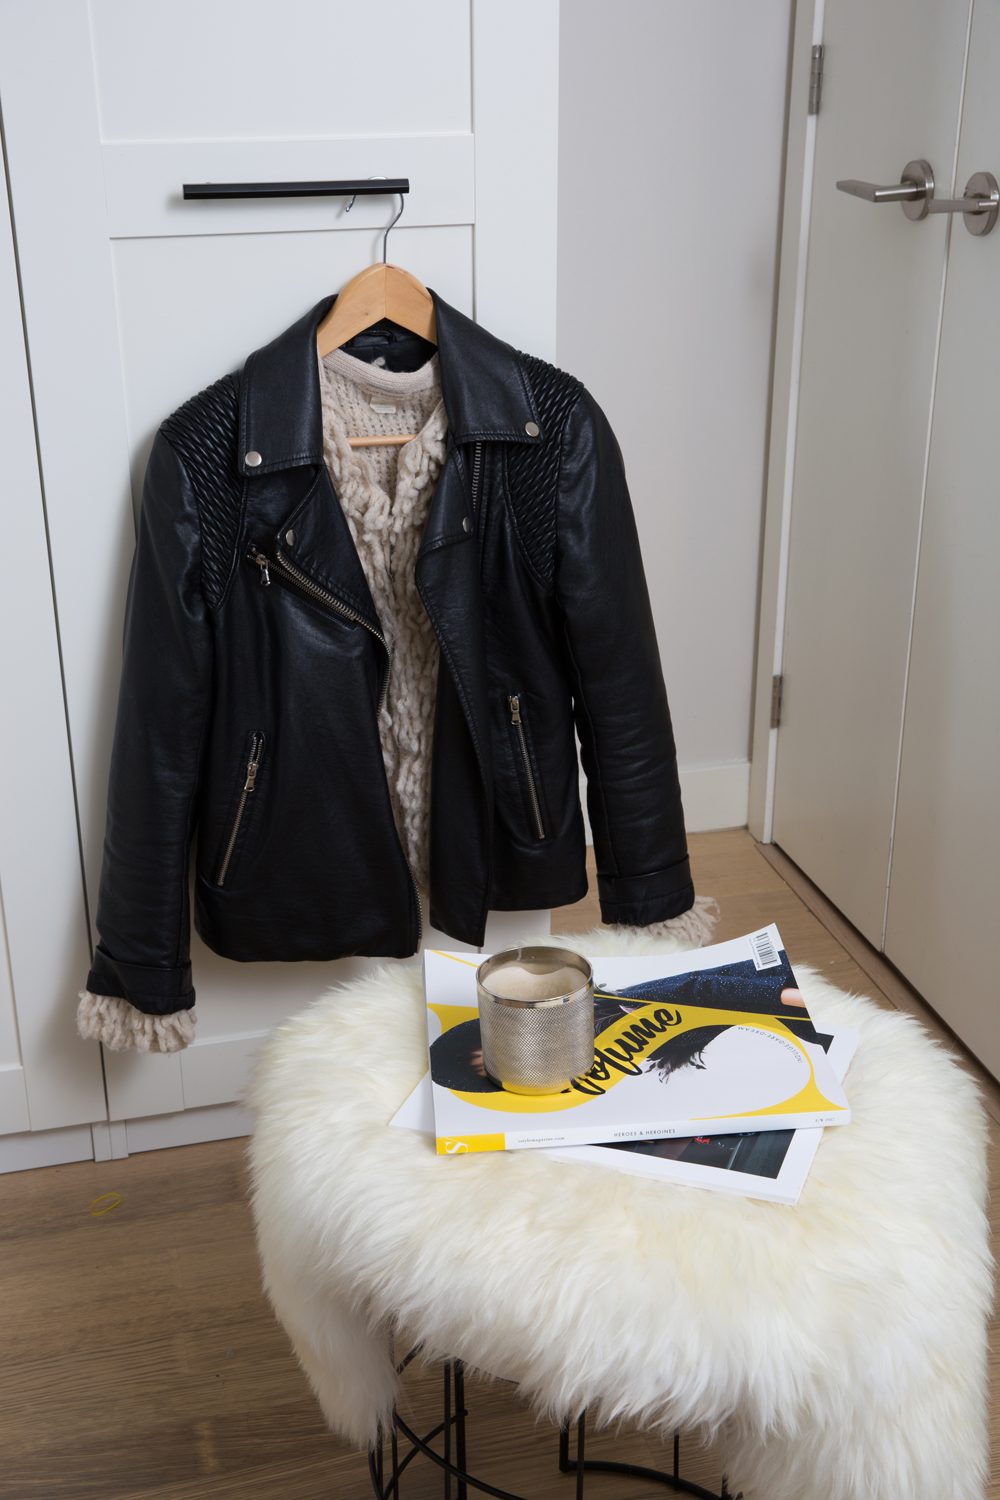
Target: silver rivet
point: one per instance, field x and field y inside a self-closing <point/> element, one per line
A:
<point x="466" y="524"/>
<point x="532" y="429"/>
<point x="252" y="459"/>
<point x="291" y="538"/>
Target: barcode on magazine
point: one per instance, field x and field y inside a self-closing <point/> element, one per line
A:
<point x="764" y="953"/>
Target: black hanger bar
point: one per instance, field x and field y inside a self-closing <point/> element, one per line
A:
<point x="371" y="187"/>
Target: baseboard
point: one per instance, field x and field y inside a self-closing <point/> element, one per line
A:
<point x="187" y="1127"/>
<point x="714" y="797"/>
<point x="45" y="1148"/>
<point x="120" y="1138"/>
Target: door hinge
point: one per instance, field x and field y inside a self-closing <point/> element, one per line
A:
<point x="775" y="702"/>
<point x="816" y="78"/>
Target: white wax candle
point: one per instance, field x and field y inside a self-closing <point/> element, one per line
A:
<point x="534" y="981"/>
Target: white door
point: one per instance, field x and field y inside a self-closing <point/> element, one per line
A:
<point x="892" y="92"/>
<point x="944" y="890"/>
<point x="134" y="299"/>
<point x="883" y="507"/>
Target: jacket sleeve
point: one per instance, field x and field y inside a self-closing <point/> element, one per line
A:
<point x="627" y="743"/>
<point x="143" y="914"/>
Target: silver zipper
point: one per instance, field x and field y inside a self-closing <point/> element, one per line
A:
<point x="281" y="565"/>
<point x="416" y="897"/>
<point x="514" y="704"/>
<point x="477" y="460"/>
<point x="253" y="765"/>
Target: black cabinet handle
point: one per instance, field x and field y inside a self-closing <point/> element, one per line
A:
<point x="371" y="187"/>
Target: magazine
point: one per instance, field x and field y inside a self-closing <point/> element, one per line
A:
<point x="692" y="1044"/>
<point x="772" y="1164"/>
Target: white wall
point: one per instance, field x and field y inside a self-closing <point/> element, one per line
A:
<point x="670" y="148"/>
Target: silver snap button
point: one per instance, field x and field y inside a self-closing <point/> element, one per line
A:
<point x="252" y="459"/>
<point x="291" y="538"/>
<point x="532" y="429"/>
<point x="466" y="524"/>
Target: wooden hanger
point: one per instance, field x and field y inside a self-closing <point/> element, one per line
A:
<point x="378" y="292"/>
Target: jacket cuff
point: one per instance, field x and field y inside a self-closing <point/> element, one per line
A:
<point x="638" y="900"/>
<point x="157" y="992"/>
<point x="114" y="1023"/>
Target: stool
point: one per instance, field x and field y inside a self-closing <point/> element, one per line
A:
<point x="386" y="1483"/>
<point x="837" y="1349"/>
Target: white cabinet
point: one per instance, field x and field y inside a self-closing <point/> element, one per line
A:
<point x="49" y="1079"/>
<point x="134" y="299"/>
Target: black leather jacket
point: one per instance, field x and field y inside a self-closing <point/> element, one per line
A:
<point x="249" y="713"/>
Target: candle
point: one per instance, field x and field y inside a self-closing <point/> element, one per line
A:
<point x="534" y="981"/>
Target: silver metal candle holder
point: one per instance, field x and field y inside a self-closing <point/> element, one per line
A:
<point x="537" y="1046"/>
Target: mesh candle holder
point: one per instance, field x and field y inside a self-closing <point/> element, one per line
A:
<point x="541" y="1035"/>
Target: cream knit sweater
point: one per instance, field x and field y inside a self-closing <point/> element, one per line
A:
<point x="385" y="493"/>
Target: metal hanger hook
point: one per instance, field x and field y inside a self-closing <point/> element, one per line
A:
<point x="391" y="225"/>
<point x="385" y="237"/>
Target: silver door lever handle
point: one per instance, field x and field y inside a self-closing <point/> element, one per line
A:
<point x="899" y="192"/>
<point x="915" y="193"/>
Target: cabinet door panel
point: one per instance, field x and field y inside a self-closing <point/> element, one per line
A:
<point x="231" y="69"/>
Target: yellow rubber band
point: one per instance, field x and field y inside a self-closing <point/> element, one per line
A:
<point x="96" y="1212"/>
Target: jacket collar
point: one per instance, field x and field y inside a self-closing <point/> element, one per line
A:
<point x="483" y="382"/>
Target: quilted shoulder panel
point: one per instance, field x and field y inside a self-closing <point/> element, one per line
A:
<point x="533" y="472"/>
<point x="203" y="433"/>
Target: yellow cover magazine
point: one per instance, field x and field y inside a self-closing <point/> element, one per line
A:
<point x="690" y="1044"/>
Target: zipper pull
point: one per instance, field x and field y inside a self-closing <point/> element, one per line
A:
<point x="515" y="709"/>
<point x="261" y="561"/>
<point x="252" y="770"/>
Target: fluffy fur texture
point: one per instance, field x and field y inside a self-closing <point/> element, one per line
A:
<point x="386" y="494"/>
<point x="116" y="1023"/>
<point x="838" y="1348"/>
<point x="693" y="928"/>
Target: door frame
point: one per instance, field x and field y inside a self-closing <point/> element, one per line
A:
<point x="800" y="152"/>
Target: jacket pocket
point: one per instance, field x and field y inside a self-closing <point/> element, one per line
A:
<point x="522" y="754"/>
<point x="247" y="789"/>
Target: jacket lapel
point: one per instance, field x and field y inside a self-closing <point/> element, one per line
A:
<point x="487" y="399"/>
<point x="317" y="539"/>
<point x="448" y="580"/>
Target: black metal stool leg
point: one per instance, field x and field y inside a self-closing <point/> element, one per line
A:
<point x="460" y="1426"/>
<point x="394" y="1446"/>
<point x="581" y="1433"/>
<point x="447" y="1428"/>
<point x="386" y="1487"/>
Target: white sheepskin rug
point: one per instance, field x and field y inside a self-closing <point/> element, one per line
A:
<point x="837" y="1349"/>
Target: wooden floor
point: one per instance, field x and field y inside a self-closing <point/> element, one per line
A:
<point x="140" y="1361"/>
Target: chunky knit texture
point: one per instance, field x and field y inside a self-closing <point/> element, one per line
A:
<point x="116" y="1023"/>
<point x="385" y="494"/>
